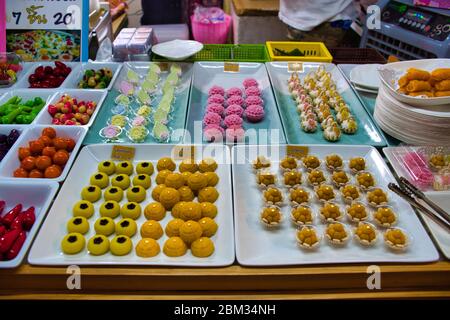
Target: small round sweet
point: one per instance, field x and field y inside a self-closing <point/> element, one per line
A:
<point x="186" y="194"/>
<point x="174" y="180"/>
<point x="208" y="194"/>
<point x="209" y="227"/>
<point x="156" y="192"/>
<point x="142" y="180"/>
<point x="151" y="229"/>
<point x="311" y="162"/>
<point x="325" y="192"/>
<point x="166" y="163"/>
<point x="190" y="211"/>
<point x="91" y="193"/>
<point x="316" y="177"/>
<point x="288" y="163"/>
<point x="385" y="217"/>
<point x="336" y="233"/>
<point x="131" y="210"/>
<point x="186" y="176"/>
<point x="173" y="227"/>
<point x="124" y="167"/>
<point x="365" y="180"/>
<point x="98" y="245"/>
<point x="83" y="208"/>
<point x="357" y="212"/>
<point x="104" y="226"/>
<point x="377" y="197"/>
<point x="307" y="237"/>
<point x="299" y="196"/>
<point x="334" y="162"/>
<point x="113" y="194"/>
<point x="147" y="248"/>
<point x="357" y="164"/>
<point x="207" y="165"/>
<point x="174" y="247"/>
<point x="121" y="181"/>
<point x="126" y="227"/>
<point x="261" y="162"/>
<point x="154" y="211"/>
<point x="292" y="178"/>
<point x="340" y="178"/>
<point x="100" y="180"/>
<point x="188" y="165"/>
<point x="169" y="197"/>
<point x="136" y="194"/>
<point x="212" y="178"/>
<point x="396" y="238"/>
<point x="190" y="231"/>
<point x="365" y="233"/>
<point x="145" y="167"/>
<point x="107" y="167"/>
<point x="301" y="215"/>
<point x="110" y="209"/>
<point x="330" y="212"/>
<point x="273" y="196"/>
<point x="161" y="176"/>
<point x="350" y="193"/>
<point x="202" y="248"/>
<point x="208" y="209"/>
<point x="121" y="245"/>
<point x="73" y="243"/>
<point x="177" y="209"/>
<point x="266" y="178"/>
<point x="197" y="181"/>
<point x="78" y="225"/>
<point x="271" y="216"/>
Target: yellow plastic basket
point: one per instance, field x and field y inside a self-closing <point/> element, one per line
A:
<point x="312" y="51"/>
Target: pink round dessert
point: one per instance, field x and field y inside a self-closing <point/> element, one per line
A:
<point x="216" y="108"/>
<point x="216" y="98"/>
<point x="254" y="113"/>
<point x="234" y="109"/>
<point x="216" y="90"/>
<point x="235" y="134"/>
<point x="250" y="82"/>
<point x="253" y="100"/>
<point x="212" y="118"/>
<point x="139" y="121"/>
<point x="213" y="133"/>
<point x="235" y="91"/>
<point x="235" y="100"/>
<point x="232" y="120"/>
<point x="252" y="91"/>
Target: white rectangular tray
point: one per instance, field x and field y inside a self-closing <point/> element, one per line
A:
<point x="442" y="198"/>
<point x="257" y="246"/>
<point x="29" y="193"/>
<point x="76" y="75"/>
<point x="46" y="249"/>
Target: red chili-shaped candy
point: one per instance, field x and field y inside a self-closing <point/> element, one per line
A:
<point x="8" y="239"/>
<point x="2" y="230"/>
<point x="29" y="218"/>
<point x="11" y="215"/>
<point x="17" y="246"/>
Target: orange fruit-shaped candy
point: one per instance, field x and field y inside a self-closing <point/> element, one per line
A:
<point x="70" y="144"/>
<point x="60" y="158"/>
<point x="36" y="147"/>
<point x="49" y="132"/>
<point x="36" y="174"/>
<point x="28" y="163"/>
<point x="60" y="143"/>
<point x="49" y="151"/>
<point x="43" y="162"/>
<point x="20" y="173"/>
<point x="46" y="141"/>
<point x="54" y="171"/>
<point x="23" y="153"/>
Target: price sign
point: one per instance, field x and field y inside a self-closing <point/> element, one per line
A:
<point x="231" y="67"/>
<point x="122" y="153"/>
<point x="295" y="67"/>
<point x="44" y="30"/>
<point x="297" y="152"/>
<point x="183" y="152"/>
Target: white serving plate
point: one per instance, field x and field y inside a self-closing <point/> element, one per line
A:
<point x="11" y="161"/>
<point x="98" y="96"/>
<point x="391" y="72"/>
<point x="363" y="89"/>
<point x="24" y="84"/>
<point x="76" y="75"/>
<point x="366" y="75"/>
<point x="257" y="246"/>
<point x="46" y="249"/>
<point x="441" y="198"/>
<point x="29" y="193"/>
<point x="177" y="50"/>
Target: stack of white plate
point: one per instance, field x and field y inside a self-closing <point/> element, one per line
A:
<point x="413" y="125"/>
<point x="365" y="78"/>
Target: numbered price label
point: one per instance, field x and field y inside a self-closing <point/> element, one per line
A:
<point x="231" y="67"/>
<point x="297" y="152"/>
<point x="183" y="152"/>
<point x="295" y="67"/>
<point x="122" y="153"/>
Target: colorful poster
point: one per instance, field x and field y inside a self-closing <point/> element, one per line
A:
<point x="45" y="30"/>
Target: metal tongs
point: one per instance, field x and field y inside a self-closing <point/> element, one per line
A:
<point x="414" y="197"/>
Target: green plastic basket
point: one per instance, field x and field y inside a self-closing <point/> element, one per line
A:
<point x="227" y="52"/>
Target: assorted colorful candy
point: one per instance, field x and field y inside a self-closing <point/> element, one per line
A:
<point x="8" y="71"/>
<point x="49" y="77"/>
<point x="70" y="111"/>
<point x="96" y="79"/>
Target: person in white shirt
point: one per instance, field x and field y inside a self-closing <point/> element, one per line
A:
<point x="318" y="20"/>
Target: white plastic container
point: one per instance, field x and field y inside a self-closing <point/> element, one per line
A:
<point x="31" y="67"/>
<point x="76" y="75"/>
<point x="38" y="194"/>
<point x="11" y="161"/>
